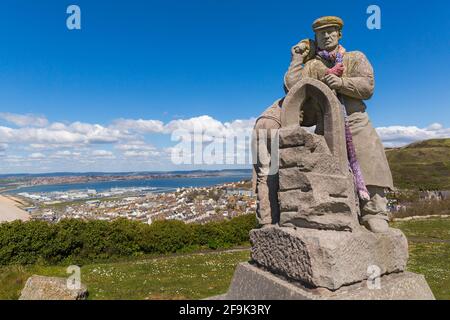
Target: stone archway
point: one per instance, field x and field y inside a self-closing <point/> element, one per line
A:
<point x="315" y="94"/>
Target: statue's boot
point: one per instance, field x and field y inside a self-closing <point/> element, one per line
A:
<point x="377" y="225"/>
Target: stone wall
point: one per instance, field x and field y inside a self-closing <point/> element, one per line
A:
<point x="314" y="192"/>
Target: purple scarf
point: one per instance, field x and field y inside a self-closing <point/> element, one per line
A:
<point x="337" y="58"/>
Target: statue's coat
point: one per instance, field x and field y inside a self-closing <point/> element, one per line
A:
<point x="358" y="85"/>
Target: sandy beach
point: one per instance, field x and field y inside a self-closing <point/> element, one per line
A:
<point x="9" y="210"/>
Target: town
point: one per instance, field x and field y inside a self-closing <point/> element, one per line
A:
<point x="198" y="205"/>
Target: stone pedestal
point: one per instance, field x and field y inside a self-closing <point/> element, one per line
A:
<point x="327" y="258"/>
<point x="253" y="283"/>
<point x="307" y="264"/>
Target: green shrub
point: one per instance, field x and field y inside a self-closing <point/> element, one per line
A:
<point x="75" y="241"/>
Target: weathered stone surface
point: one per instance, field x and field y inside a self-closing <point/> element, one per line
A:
<point x="51" y="288"/>
<point x="253" y="283"/>
<point x="314" y="192"/>
<point x="329" y="221"/>
<point x="312" y="200"/>
<point x="298" y="208"/>
<point x="318" y="162"/>
<point x="322" y="184"/>
<point x="291" y="200"/>
<point x="292" y="137"/>
<point x="327" y="258"/>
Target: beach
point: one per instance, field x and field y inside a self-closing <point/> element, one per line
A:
<point x="10" y="211"/>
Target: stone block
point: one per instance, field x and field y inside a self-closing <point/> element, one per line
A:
<point x="292" y="137"/>
<point x="327" y="258"/>
<point x="252" y="283"/>
<point x="308" y="162"/>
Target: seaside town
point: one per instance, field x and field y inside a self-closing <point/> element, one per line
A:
<point x="200" y="205"/>
<point x="148" y="204"/>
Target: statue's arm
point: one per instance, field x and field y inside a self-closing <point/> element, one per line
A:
<point x="360" y="83"/>
<point x="300" y="54"/>
<point x="294" y="73"/>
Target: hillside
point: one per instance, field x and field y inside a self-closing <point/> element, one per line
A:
<point x="208" y="273"/>
<point x="421" y="165"/>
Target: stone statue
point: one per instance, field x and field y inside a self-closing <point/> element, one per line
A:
<point x="321" y="195"/>
<point x="353" y="81"/>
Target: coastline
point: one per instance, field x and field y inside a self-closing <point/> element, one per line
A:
<point x="10" y="210"/>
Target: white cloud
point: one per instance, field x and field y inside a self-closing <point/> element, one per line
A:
<point x="396" y="136"/>
<point x="102" y="154"/>
<point x="140" y="125"/>
<point x="76" y="133"/>
<point x="203" y="123"/>
<point x="135" y="145"/>
<point x="12" y="159"/>
<point x="37" y="155"/>
<point x="208" y="129"/>
<point x="136" y="154"/>
<point x="23" y="120"/>
<point x="130" y="142"/>
<point x="65" y="154"/>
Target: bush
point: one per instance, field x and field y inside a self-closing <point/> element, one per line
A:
<point x="78" y="242"/>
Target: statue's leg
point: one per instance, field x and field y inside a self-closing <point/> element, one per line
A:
<point x="374" y="213"/>
<point x="267" y="210"/>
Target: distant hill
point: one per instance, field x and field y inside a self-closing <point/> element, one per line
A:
<point x="421" y="165"/>
<point x="127" y="173"/>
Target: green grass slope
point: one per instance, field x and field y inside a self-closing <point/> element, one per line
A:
<point x="421" y="165"/>
<point x="201" y="275"/>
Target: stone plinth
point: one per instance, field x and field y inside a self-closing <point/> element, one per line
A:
<point x="327" y="258"/>
<point x="253" y="283"/>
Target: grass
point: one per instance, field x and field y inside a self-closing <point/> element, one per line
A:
<point x="193" y="276"/>
<point x="197" y="276"/>
<point x="436" y="228"/>
<point x="433" y="261"/>
<point x="427" y="257"/>
<point x="421" y="165"/>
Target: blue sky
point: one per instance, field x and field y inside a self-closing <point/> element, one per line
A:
<point x="172" y="62"/>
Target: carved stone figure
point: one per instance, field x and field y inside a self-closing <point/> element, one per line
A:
<point x="353" y="81"/>
<point x="316" y="189"/>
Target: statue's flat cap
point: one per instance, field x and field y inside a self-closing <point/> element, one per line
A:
<point x="328" y="21"/>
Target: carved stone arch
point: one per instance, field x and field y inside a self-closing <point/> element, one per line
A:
<point x="333" y="117"/>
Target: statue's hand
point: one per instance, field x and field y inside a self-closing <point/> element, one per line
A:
<point x="333" y="81"/>
<point x="301" y="50"/>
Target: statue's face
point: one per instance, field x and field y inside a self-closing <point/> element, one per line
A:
<point x="328" y="38"/>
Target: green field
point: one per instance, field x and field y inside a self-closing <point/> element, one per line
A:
<point x="192" y="276"/>
<point x="429" y="252"/>
<point x="197" y="276"/>
<point x="421" y="165"/>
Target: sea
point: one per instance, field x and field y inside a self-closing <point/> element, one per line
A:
<point x="156" y="184"/>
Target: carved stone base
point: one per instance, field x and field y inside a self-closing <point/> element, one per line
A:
<point x="252" y="283"/>
<point x="327" y="258"/>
